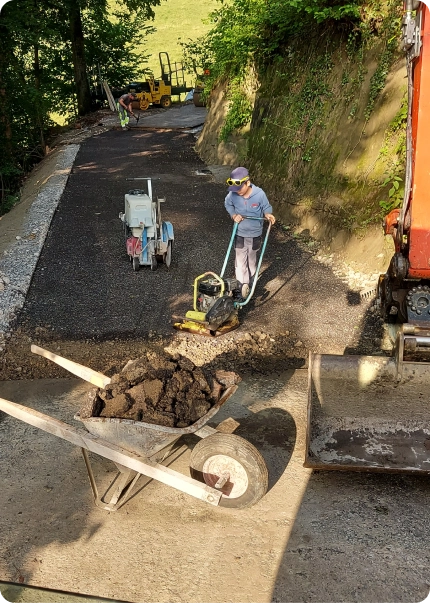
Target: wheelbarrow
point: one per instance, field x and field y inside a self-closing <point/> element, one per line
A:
<point x="226" y="470"/>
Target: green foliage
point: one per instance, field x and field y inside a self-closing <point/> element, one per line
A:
<point x="395" y="193"/>
<point x="239" y="113"/>
<point x="37" y="70"/>
<point x="257" y="31"/>
<point x="394" y="148"/>
<point x="390" y="34"/>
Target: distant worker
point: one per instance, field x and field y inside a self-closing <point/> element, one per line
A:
<point x="246" y="199"/>
<point x="125" y="108"/>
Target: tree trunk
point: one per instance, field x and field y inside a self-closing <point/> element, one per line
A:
<point x="6" y="127"/>
<point x="79" y="63"/>
<point x="37" y="86"/>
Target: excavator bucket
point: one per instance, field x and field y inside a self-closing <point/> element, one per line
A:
<point x="368" y="413"/>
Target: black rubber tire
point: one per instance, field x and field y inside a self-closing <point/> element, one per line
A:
<point x="165" y="102"/>
<point x="136" y="263"/>
<point x="154" y="263"/>
<point x="168" y="254"/>
<point x="243" y="453"/>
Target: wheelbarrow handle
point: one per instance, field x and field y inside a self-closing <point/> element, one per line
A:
<point x="84" y="372"/>
<point x="117" y="454"/>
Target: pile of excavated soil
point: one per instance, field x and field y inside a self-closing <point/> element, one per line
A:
<point x="160" y="389"/>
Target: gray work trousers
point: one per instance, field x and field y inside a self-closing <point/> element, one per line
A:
<point x="246" y="258"/>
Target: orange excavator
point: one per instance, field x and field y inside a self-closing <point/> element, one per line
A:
<point x="403" y="292"/>
<point x="372" y="413"/>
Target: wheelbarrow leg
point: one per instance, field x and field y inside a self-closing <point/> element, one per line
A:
<point x="122" y="490"/>
<point x="122" y="483"/>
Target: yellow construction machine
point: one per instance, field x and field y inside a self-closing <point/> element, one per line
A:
<point x="152" y="92"/>
<point x="372" y="413"/>
<point x="159" y="91"/>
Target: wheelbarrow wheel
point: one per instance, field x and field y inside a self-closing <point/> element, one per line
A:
<point x="228" y="457"/>
<point x="136" y="264"/>
<point x="168" y="254"/>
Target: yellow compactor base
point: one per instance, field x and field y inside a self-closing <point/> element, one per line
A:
<point x="198" y="328"/>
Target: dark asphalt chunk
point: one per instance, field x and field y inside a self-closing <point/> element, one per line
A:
<point x="84" y="286"/>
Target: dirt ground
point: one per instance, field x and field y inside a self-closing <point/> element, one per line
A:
<point x="316" y="536"/>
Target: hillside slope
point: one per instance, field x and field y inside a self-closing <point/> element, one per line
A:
<point x="326" y="140"/>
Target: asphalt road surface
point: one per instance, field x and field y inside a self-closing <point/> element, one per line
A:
<point x="84" y="285"/>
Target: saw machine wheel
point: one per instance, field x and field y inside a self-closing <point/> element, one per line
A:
<point x="168" y="255"/>
<point x="136" y="263"/>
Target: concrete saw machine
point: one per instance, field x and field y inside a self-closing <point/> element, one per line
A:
<point x="148" y="238"/>
<point x="215" y="309"/>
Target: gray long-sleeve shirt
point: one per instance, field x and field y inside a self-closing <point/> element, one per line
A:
<point x="256" y="206"/>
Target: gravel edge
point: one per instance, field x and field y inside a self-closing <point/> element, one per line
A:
<point x="19" y="260"/>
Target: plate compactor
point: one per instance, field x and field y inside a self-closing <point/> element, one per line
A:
<point x="215" y="305"/>
<point x="148" y="239"/>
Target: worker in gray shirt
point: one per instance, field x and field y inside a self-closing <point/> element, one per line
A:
<point x="125" y="108"/>
<point x="246" y="199"/>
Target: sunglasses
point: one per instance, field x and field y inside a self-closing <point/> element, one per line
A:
<point x="232" y="182"/>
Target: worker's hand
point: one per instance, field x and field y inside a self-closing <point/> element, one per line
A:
<point x="271" y="218"/>
<point x="237" y="218"/>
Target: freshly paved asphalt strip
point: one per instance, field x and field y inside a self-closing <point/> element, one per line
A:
<point x="84" y="285"/>
<point x="187" y="116"/>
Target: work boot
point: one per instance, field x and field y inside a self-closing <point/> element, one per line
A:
<point x="245" y="290"/>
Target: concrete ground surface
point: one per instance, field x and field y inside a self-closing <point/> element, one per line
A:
<point x="315" y="536"/>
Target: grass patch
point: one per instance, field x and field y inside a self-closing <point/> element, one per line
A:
<point x="175" y="21"/>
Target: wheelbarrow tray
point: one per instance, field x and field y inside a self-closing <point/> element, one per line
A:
<point x="146" y="439"/>
<point x="362" y="418"/>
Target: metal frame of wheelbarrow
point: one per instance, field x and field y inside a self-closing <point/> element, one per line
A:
<point x="131" y="464"/>
<point x="200" y="326"/>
